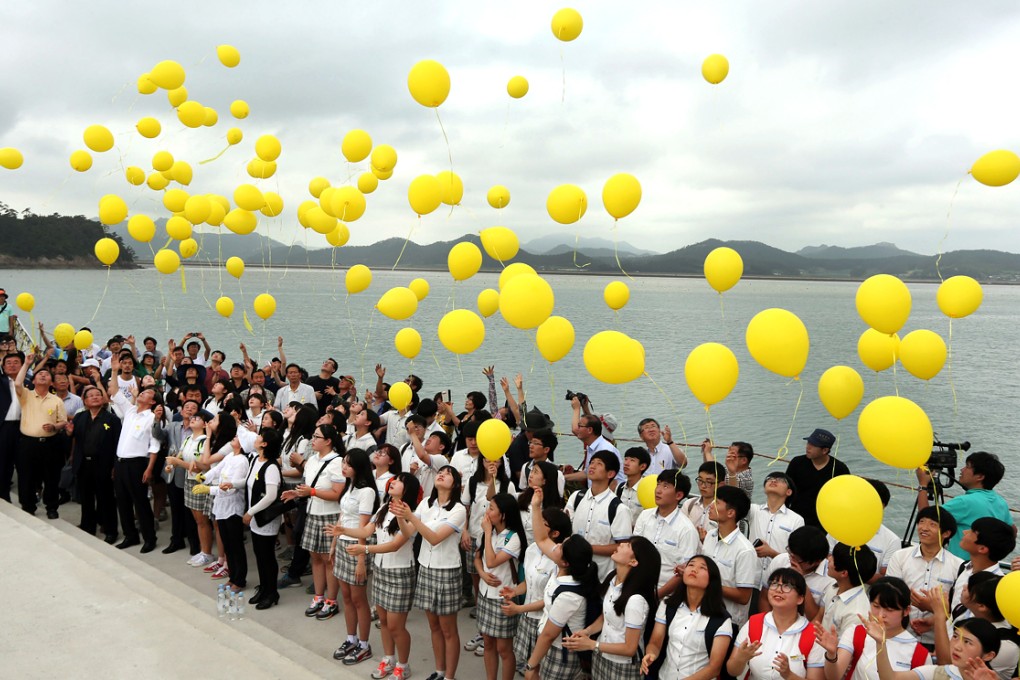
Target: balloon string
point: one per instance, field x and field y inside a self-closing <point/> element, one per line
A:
<point x="368" y="337"/>
<point x="785" y="448"/>
<point x="563" y="68"/>
<point x="552" y="387"/>
<point x="410" y="232"/>
<point x="949" y="212"/>
<point x="949" y="366"/>
<point x="577" y="241"/>
<point x="449" y="151"/>
<point x="616" y="252"/>
<point x="895" y="377"/>
<point x="102" y="297"/>
<point x="669" y="401"/>
<point x="835" y="451"/>
<point x="184" y="285"/>
<point x="210" y="160"/>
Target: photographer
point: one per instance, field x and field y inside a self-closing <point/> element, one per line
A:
<point x="978" y="477"/>
<point x="588" y="428"/>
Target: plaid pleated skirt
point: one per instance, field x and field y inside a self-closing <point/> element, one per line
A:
<point x="603" y="669"/>
<point x="559" y="664"/>
<point x="492" y="621"/>
<point x="345" y="565"/>
<point x="314" y="538"/>
<point x="193" y="501"/>
<point x="439" y="590"/>
<point x="527" y="635"/>
<point x="393" y="589"/>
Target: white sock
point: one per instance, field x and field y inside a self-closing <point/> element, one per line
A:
<point x="363" y="644"/>
<point x="352" y="638"/>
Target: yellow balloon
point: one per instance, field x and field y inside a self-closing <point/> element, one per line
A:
<point x="500" y="243"/>
<point x="241" y="221"/>
<point x="156" y="181"/>
<point x="63" y="334"/>
<point x="235" y="267"/>
<point x="356" y="146"/>
<point x="367" y="182"/>
<point x="191" y="113"/>
<point x="168" y="75"/>
<point x="142" y="228"/>
<point x="399" y="395"/>
<point x="107" y="251"/>
<point x="319" y="221"/>
<point x="112" y="210"/>
<point x="526" y="301"/>
<point x="134" y="175"/>
<point x="461" y="331"/>
<point x="488" y="302"/>
<point x="166" y="261"/>
<point x="162" y="161"/>
<point x="267" y="147"/>
<point x="348" y="203"/>
<point x="239" y="109"/>
<point x="260" y="169"/>
<point x="11" y="158"/>
<point x="148" y="127"/>
<point x="896" y="431"/>
<point x="883" y="301"/>
<point x="339" y="236"/>
<point x="357" y="279"/>
<point x="420" y="288"/>
<point x="381" y="175"/>
<point x="555" y="338"/>
<point x="566" y="204"/>
<point x="234" y="136"/>
<point x="646" y="491"/>
<point x="188" y="248"/>
<point x="513" y="270"/>
<point x="265" y="305"/>
<point x="81" y="160"/>
<point x="614" y="358"/>
<point x="178" y="228"/>
<point x="424" y="194"/>
<point x="398" y="303"/>
<point x="723" y="268"/>
<point x="517" y="87"/>
<point x="451" y="187"/>
<point x="249" y="197"/>
<point x="177" y="96"/>
<point x="229" y="57"/>
<point x="850" y="509"/>
<point x="493" y="438"/>
<point x="83" y="339"/>
<point x="840" y="390"/>
<point x="181" y="173"/>
<point x="621" y="195"/>
<point x="715" y="68"/>
<point x="225" y="306"/>
<point x="1007" y="597"/>
<point x="25" y="302"/>
<point x="211" y="117"/>
<point x="98" y="138"/>
<point x="463" y="261"/>
<point x="923" y="354"/>
<point x="959" y="296"/>
<point x="326" y="201"/>
<point x="996" y="168"/>
<point x="616" y="294"/>
<point x="778" y="340"/>
<point x="429" y="83"/>
<point x="384" y="159"/>
<point x="145" y="84"/>
<point x="408" y="343"/>
<point x="498" y="196"/>
<point x="567" y="24"/>
<point x="216" y="211"/>
<point x="316" y="185"/>
<point x="197" y="209"/>
<point x="877" y="350"/>
<point x="711" y="372"/>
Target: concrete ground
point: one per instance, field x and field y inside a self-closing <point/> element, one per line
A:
<point x="77" y="607"/>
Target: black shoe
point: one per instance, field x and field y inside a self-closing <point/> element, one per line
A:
<point x="268" y="602"/>
<point x="254" y="599"/>
<point x="314" y="609"/>
<point x="343" y="650"/>
<point x="128" y="543"/>
<point x="52" y="514"/>
<point x="287" y="581"/>
<point x="327" y="612"/>
<point x="148" y="547"/>
<point x="110" y="538"/>
<point x="172" y="548"/>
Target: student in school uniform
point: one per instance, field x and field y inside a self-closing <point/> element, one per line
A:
<point x="669" y="529"/>
<point x="847" y="597"/>
<point x="597" y="514"/>
<point x="771" y="523"/>
<point x="635" y="464"/>
<point x="541" y="476"/>
<point x="732" y="552"/>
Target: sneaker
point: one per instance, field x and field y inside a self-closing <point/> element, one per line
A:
<point x="203" y="560"/>
<point x="400" y="673"/>
<point x="286" y="581"/>
<point x="343" y="650"/>
<point x="328" y="611"/>
<point x="384" y="670"/>
<point x="222" y="572"/>
<point x="212" y="566"/>
<point x="358" y="655"/>
<point x="480" y="649"/>
<point x="317" y="604"/>
<point x="193" y="560"/>
<point x="436" y="676"/>
<point x="474" y="643"/>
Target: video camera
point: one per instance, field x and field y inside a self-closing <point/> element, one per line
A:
<point x="581" y="397"/>
<point x="944" y="456"/>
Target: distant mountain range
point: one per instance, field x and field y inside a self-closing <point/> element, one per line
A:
<point x="824" y="252"/>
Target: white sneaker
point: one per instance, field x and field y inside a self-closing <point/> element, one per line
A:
<point x="193" y="560"/>
<point x="474" y="643"/>
<point x="384" y="670"/>
<point x="204" y="560"/>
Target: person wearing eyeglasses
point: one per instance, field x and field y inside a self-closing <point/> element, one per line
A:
<point x="807" y="554"/>
<point x="696" y="508"/>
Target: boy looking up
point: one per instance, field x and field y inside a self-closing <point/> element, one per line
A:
<point x="731" y="551"/>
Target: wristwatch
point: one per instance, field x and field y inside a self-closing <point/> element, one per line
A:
<point x="597" y="650"/>
<point x="529" y="667"/>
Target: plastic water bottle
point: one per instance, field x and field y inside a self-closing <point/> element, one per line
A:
<point x="240" y="606"/>
<point x="221" y="601"/>
<point x="232" y="606"/>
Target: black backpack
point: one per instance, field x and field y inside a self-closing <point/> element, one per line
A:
<point x="714" y="622"/>
<point x="592" y="611"/>
<point x="614" y="505"/>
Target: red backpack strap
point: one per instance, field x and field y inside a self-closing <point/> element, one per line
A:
<point x="755" y="626"/>
<point x="921" y="657"/>
<point x="860" y="636"/>
<point x="807" y="641"/>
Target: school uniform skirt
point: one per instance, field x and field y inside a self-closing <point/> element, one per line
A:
<point x="439" y="590"/>
<point x="193" y="501"/>
<point x="492" y="621"/>
<point x="314" y="538"/>
<point x="603" y="669"/>
<point x="345" y="565"/>
<point x="526" y="637"/>
<point x="559" y="664"/>
<point x="393" y="589"/>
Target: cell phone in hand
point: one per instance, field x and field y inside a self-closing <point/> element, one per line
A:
<point x="447" y="396"/>
<point x="757" y="543"/>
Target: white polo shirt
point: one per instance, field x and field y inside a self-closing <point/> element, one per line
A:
<point x="738" y="566"/>
<point x="446" y="555"/>
<point x="538" y="570"/>
<point x="788" y="642"/>
<point x="674" y="536"/>
<point x="332" y="474"/>
<point x="773" y="529"/>
<point x="427" y="472"/>
<point x="507" y="542"/>
<point x="686" y="652"/>
<point x="817" y="581"/>
<point x="561" y="481"/>
<point x="136" y="440"/>
<point x="841" y="609"/>
<point x="662" y="459"/>
<point x="961" y="582"/>
<point x="628" y="494"/>
<point x="900" y="649"/>
<point x="921" y="574"/>
<point x="615" y="626"/>
<point x="697" y="512"/>
<point x="590" y="519"/>
<point x="566" y="610"/>
<point x="884" y="543"/>
<point x="355" y="504"/>
<point x="402" y="557"/>
<point x="304" y="394"/>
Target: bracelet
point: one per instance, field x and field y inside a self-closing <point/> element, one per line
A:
<point x="311" y="492"/>
<point x="669" y="443"/>
<point x="826" y="656"/>
<point x="366" y="548"/>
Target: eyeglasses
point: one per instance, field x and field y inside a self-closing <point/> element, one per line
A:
<point x="317" y="436"/>
<point x="781" y="587"/>
<point x="704" y="482"/>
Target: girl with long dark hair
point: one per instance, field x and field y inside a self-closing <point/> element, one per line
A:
<point x="386" y="463"/>
<point x="263" y="485"/>
<point x="543" y="476"/>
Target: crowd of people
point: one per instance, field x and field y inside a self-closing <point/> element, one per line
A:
<point x="567" y="573"/>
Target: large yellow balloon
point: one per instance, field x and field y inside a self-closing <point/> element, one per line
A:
<point x="191" y="114"/>
<point x="162" y="161"/>
<point x="646" y="491"/>
<point x="384" y="159"/>
<point x="107" y="251"/>
<point x="493" y="438"/>
<point x="616" y="294"/>
<point x="267" y="147"/>
<point x="316" y="185"/>
<point x="178" y="228"/>
<point x="896" y="431"/>
<point x="197" y="209"/>
<point x="840" y="389"/>
<point x="249" y="197"/>
<point x="883" y="301"/>
<point x="723" y="268"/>
<point x="878" y="351"/>
<point x="339" y="236"/>
<point x="959" y="296"/>
<point x="567" y="24"/>
<point x="429" y="83"/>
<point x="923" y="353"/>
<point x="500" y="243"/>
<point x="451" y="187"/>
<point x="166" y="261"/>
<point x="408" y="342"/>
<point x="398" y="303"/>
<point x="81" y="160"/>
<point x="420" y="288"/>
<point x="273" y="206"/>
<point x="850" y="509"/>
<point x="778" y="340"/>
<point x="996" y="168"/>
<point x="241" y="221"/>
<point x="148" y="127"/>
<point x="356" y="146"/>
<point x="348" y="203"/>
<point x="461" y="331"/>
<point x="217" y="211"/>
<point x="1007" y="597"/>
<point x="464" y="260"/>
<point x="424" y="194"/>
<point x="513" y="270"/>
<point x="265" y="305"/>
<point x="319" y="221"/>
<point x="711" y="372"/>
<point x="63" y="334"/>
<point x="112" y="209"/>
<point x="174" y="200"/>
<point x="399" y="395"/>
<point x="498" y="196"/>
<point x="156" y="181"/>
<point x="225" y="306"/>
<point x="367" y="182"/>
<point x="145" y="85"/>
<point x="25" y="302"/>
<point x="83" y="339"/>
<point x="614" y="358"/>
<point x="181" y="173"/>
<point x="357" y="279"/>
<point x="188" y="248"/>
<point x="229" y="57"/>
<point x="98" y="138"/>
<point x="488" y="302"/>
<point x="177" y="96"/>
<point x="715" y="68"/>
<point x="142" y="228"/>
<point x="517" y="87"/>
<point x="235" y="267"/>
<point x="566" y="204"/>
<point x="239" y="109"/>
<point x="134" y="175"/>
<point x="526" y="301"/>
<point x="234" y="136"/>
<point x="260" y="169"/>
<point x="168" y="75"/>
<point x="11" y="158"/>
<point x="621" y="195"/>
<point x="555" y="338"/>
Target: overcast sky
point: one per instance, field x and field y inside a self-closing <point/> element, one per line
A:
<point x="841" y="123"/>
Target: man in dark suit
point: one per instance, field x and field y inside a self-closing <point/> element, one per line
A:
<point x="10" y="420"/>
<point x="182" y="522"/>
<point x="93" y="453"/>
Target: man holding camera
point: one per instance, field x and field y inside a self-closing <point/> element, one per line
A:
<point x="979" y="475"/>
<point x="588" y="428"/>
